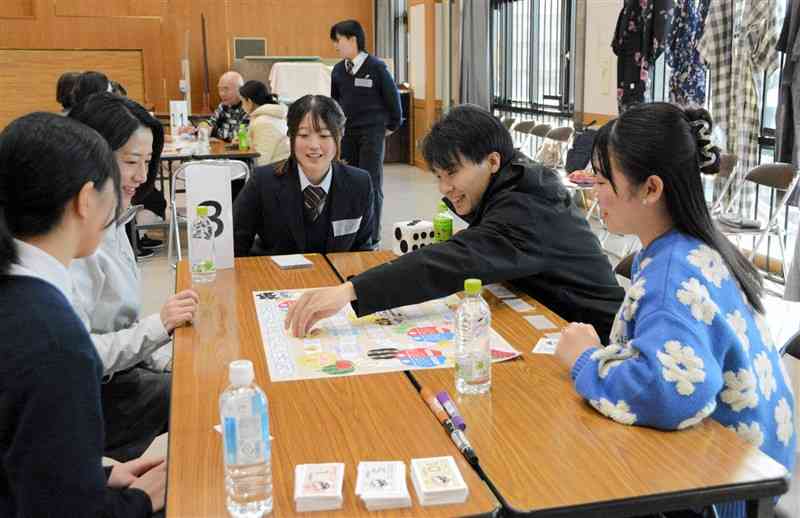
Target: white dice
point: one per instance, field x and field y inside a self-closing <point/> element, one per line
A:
<point x="412" y="235"/>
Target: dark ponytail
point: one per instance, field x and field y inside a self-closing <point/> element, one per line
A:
<point x="45" y="160"/>
<point x="674" y="144"/>
<point x="258" y="93"/>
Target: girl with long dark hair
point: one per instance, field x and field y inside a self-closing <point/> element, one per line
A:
<point x="59" y="191"/>
<point x="690" y="340"/>
<point x="108" y="290"/>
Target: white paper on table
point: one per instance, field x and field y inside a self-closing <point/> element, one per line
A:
<point x="518" y="305"/>
<point x="500" y="291"/>
<point x="289" y="262"/>
<point x="547" y="344"/>
<point x="540" y="322"/>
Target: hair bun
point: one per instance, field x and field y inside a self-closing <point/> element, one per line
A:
<point x="709" y="154"/>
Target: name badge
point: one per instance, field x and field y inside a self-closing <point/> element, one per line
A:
<point x="365" y="83"/>
<point x="344" y="227"/>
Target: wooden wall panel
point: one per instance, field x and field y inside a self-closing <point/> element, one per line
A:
<point x="17" y="9"/>
<point x="157" y="28"/>
<point x="291" y="28"/>
<point x="29" y="76"/>
<point x="105" y="8"/>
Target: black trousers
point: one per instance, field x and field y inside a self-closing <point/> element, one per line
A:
<point x="366" y="151"/>
<point x="135" y="411"/>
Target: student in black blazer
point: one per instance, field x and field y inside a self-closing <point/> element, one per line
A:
<point x="370" y="100"/>
<point x="311" y="202"/>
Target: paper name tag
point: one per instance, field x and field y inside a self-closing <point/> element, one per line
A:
<point x="344" y="227"/>
<point x="364" y="83"/>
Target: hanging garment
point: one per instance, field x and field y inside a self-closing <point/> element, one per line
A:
<point x="687" y="84"/>
<point x="639" y="40"/>
<point x="738" y="47"/>
<point x="788" y="114"/>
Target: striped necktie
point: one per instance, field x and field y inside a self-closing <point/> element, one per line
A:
<point x="313" y="200"/>
<point x="348" y="65"/>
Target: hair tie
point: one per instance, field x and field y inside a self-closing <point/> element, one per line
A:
<point x="705" y="147"/>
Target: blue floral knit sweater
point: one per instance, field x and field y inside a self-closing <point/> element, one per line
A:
<point x="686" y="345"/>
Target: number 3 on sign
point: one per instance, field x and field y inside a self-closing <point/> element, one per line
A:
<point x="209" y="185"/>
<point x="214" y="216"/>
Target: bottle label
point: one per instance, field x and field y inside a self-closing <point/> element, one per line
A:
<point x="247" y="433"/>
<point x="442" y="229"/>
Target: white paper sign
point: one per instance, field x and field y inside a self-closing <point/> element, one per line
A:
<point x="178" y="116"/>
<point x="210" y="185"/>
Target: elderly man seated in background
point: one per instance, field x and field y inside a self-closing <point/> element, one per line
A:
<point x="225" y="121"/>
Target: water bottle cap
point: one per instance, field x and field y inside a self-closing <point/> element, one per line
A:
<point x="472" y="286"/>
<point x="442" y="206"/>
<point x="202" y="210"/>
<point x="240" y="372"/>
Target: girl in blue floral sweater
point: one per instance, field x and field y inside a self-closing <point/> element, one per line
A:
<point x="690" y="340"/>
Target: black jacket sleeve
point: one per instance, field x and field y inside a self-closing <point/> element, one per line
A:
<point x="502" y="247"/>
<point x="54" y="462"/>
<point x="363" y="241"/>
<point x="247" y="215"/>
<point x="391" y="98"/>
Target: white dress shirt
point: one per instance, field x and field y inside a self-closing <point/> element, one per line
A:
<point x="325" y="183"/>
<point x="32" y="261"/>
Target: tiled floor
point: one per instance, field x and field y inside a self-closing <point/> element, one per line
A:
<point x="412" y="193"/>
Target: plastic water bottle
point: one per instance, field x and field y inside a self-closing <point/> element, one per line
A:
<point x="246" y="444"/>
<point x="201" y="249"/>
<point x="473" y="351"/>
<point x="442" y="224"/>
<point x="243" y="143"/>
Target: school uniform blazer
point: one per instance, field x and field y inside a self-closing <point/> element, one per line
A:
<point x="270" y="207"/>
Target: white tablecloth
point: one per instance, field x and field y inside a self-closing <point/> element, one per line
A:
<point x="290" y="80"/>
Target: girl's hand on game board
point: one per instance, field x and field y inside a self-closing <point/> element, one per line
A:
<point x="315" y="305"/>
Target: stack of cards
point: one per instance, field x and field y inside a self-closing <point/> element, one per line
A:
<point x="290" y="262"/>
<point x="438" y="481"/>
<point x="382" y="485"/>
<point x="318" y="487"/>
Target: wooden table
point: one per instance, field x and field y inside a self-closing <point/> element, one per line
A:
<point x="547" y="451"/>
<point x="218" y="149"/>
<point x="350" y="419"/>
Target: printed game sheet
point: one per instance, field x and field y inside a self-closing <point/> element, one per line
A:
<point x="421" y="336"/>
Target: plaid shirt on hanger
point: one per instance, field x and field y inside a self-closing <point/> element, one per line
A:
<point x="739" y="46"/>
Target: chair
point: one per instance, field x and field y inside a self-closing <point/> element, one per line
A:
<point x="783" y="179"/>
<point x="238" y="170"/>
<point x="727" y="164"/>
<point x="508" y="122"/>
<point x="624" y="267"/>
<point x="531" y="129"/>
<point x="561" y="134"/>
<point x="792" y="346"/>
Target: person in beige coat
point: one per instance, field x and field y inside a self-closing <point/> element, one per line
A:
<point x="267" y="123"/>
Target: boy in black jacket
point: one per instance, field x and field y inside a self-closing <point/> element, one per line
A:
<point x="366" y="92"/>
<point x="523" y="228"/>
